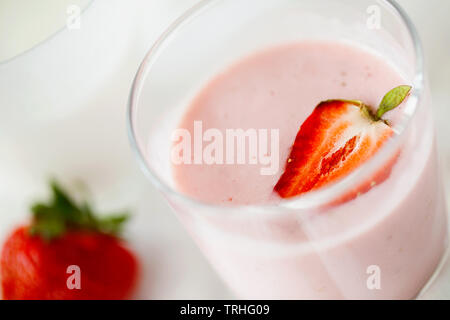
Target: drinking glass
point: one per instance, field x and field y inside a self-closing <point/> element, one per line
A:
<point x="386" y="243"/>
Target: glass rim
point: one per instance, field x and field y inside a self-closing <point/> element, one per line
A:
<point x="312" y="199"/>
<point x="40" y="43"/>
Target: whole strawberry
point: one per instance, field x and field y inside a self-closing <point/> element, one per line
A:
<point x="67" y="253"/>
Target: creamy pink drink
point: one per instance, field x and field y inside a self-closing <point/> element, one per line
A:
<point x="385" y="243"/>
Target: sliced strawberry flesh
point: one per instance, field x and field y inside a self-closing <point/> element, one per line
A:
<point x="333" y="141"/>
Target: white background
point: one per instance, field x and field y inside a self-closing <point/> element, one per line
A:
<point x="63" y="107"/>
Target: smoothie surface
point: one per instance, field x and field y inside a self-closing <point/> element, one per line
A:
<point x="276" y="88"/>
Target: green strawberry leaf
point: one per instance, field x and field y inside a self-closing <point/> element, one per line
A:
<point x="62" y="213"/>
<point x="392" y="99"/>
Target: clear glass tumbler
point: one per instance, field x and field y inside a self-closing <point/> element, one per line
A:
<point x="385" y="244"/>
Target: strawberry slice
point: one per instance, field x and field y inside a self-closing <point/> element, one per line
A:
<point x="335" y="139"/>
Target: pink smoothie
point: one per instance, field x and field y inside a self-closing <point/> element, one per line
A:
<point x="398" y="227"/>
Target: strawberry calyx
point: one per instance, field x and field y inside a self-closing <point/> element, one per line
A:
<point x="390" y="101"/>
<point x="61" y="214"/>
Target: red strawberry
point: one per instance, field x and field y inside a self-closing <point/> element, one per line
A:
<point x="35" y="259"/>
<point x="335" y="139"/>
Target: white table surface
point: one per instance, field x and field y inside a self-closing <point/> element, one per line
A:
<point x="56" y="121"/>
